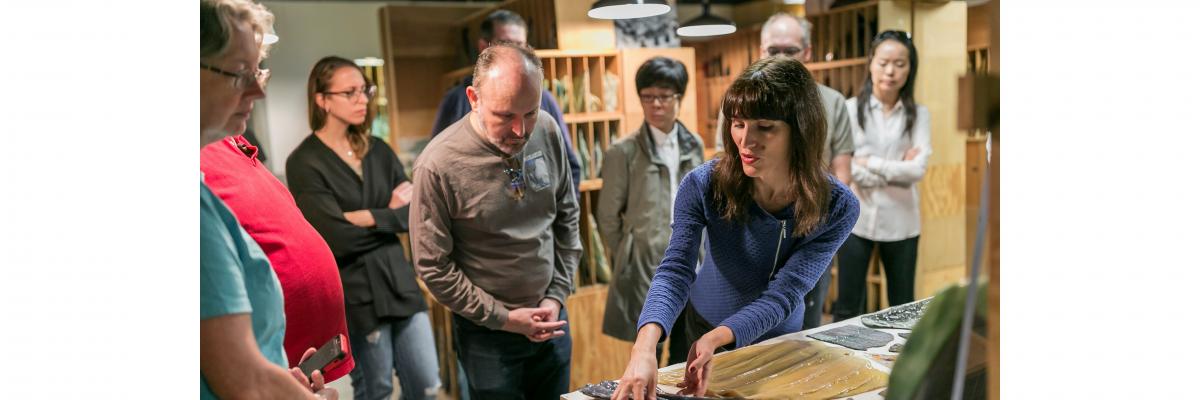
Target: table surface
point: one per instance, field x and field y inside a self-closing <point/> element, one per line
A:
<point x="878" y="356"/>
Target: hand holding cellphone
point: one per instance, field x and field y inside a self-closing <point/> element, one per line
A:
<point x="333" y="350"/>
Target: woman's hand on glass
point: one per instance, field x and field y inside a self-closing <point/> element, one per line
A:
<point x="641" y="374"/>
<point x="640" y="378"/>
<point x="699" y="363"/>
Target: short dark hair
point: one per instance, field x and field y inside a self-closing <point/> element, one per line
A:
<point x="487" y="30"/>
<point x="490" y="54"/>
<point x="662" y="72"/>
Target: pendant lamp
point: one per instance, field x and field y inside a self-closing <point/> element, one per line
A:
<point x="628" y="9"/>
<point x="707" y="25"/>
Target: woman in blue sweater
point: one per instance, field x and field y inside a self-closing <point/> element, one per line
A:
<point x="774" y="218"/>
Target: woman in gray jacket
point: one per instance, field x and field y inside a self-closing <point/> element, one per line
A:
<point x="641" y="173"/>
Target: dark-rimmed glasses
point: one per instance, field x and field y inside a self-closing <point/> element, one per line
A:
<point x="241" y="80"/>
<point x="650" y="99"/>
<point x="351" y="95"/>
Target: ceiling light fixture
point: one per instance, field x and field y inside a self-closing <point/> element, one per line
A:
<point x="707" y="25"/>
<point x="628" y="9"/>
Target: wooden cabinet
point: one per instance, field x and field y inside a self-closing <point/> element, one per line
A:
<point x="587" y="87"/>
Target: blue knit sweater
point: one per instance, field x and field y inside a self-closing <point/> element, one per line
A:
<point x="733" y="287"/>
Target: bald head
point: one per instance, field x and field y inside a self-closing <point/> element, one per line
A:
<point x="505" y="95"/>
<point x="788" y="35"/>
<point x="512" y="63"/>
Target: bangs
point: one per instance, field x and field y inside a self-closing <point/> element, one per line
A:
<point x="752" y="99"/>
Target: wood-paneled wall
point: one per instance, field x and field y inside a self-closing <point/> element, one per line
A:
<point x="539" y="15"/>
<point x="420" y="43"/>
<point x="718" y="63"/>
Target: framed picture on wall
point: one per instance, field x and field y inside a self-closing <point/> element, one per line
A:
<point x="656" y="31"/>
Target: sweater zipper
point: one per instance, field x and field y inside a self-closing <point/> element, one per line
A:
<point x="779" y="246"/>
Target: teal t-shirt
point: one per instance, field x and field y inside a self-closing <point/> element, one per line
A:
<point x="236" y="278"/>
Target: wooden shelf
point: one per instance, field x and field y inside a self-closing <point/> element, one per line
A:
<point x="826" y="65"/>
<point x="588" y="185"/>
<point x="575" y="118"/>
<point x="564" y="53"/>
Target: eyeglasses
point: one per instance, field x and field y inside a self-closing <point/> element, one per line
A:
<point x="242" y="80"/>
<point x="650" y="99"/>
<point x="516" y="177"/>
<point x="351" y="95"/>
<point x="787" y="51"/>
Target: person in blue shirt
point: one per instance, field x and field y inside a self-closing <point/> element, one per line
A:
<point x="507" y="26"/>
<point x="774" y="217"/>
<point x="241" y="302"/>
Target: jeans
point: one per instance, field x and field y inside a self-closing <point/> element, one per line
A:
<point x="405" y="345"/>
<point x="504" y="365"/>
<point x="814" y="301"/>
<point x="899" y="264"/>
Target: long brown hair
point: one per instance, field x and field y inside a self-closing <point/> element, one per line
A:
<point x="318" y="83"/>
<point x="781" y="89"/>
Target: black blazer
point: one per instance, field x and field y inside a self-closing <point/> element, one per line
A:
<point x="378" y="282"/>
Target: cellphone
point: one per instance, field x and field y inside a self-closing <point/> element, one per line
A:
<point x="333" y="350"/>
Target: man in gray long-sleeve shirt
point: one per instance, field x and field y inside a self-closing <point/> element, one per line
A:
<point x="495" y="231"/>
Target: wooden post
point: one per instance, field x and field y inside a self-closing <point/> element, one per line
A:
<point x="994" y="218"/>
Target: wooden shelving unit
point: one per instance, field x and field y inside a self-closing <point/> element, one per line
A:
<point x="581" y="118"/>
<point x="587" y="87"/>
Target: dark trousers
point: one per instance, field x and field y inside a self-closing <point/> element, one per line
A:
<point x="693" y="327"/>
<point x="814" y="301"/>
<point x="899" y="264"/>
<point x="505" y="365"/>
<point x="679" y="345"/>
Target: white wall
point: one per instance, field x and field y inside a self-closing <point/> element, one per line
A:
<point x="308" y="31"/>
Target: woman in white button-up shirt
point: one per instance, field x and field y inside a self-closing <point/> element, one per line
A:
<point x="892" y="148"/>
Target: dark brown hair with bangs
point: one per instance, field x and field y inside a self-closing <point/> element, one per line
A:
<point x="780" y="89"/>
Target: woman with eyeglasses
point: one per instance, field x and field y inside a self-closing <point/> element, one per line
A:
<point x="892" y="148"/>
<point x="770" y="217"/>
<point x="353" y="189"/>
<point x="641" y="174"/>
